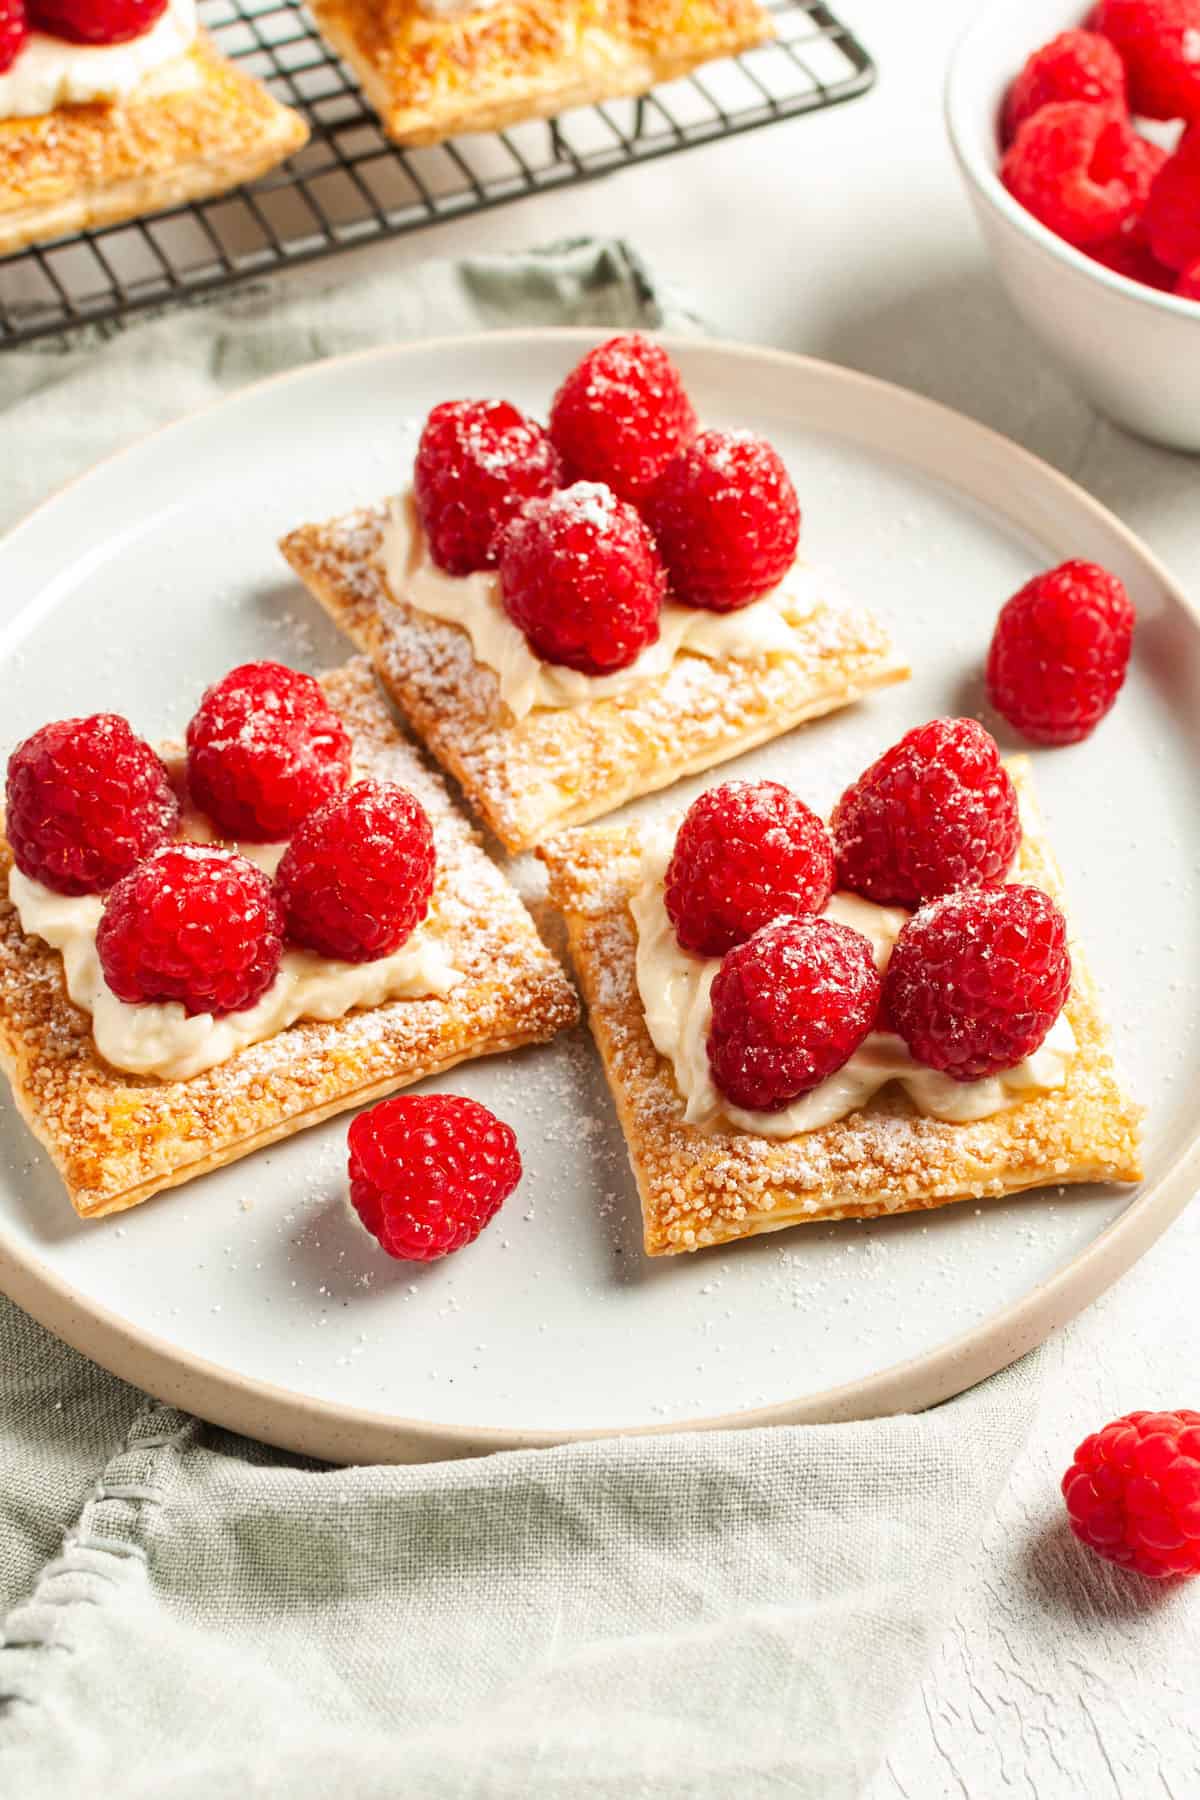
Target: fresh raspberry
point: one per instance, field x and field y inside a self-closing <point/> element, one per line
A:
<point x="1133" y="1492"/>
<point x="265" y="748"/>
<point x="580" y="575"/>
<point x="1060" y="651"/>
<point x="1082" y="172"/>
<point x="620" y="416"/>
<point x="86" y="800"/>
<point x="1157" y="42"/>
<point x="1171" y="220"/>
<point x="727" y="520"/>
<point x="192" y="923"/>
<point x="97" y="21"/>
<point x="1188" y="285"/>
<point x="356" y="879"/>
<point x="789" y="1007"/>
<point x="429" y="1171"/>
<point x="14" y="32"/>
<point x="747" y="852"/>
<point x="478" y="462"/>
<point x="1133" y="159"/>
<point x="1076" y="65"/>
<point x="935" y="812"/>
<point x="977" y="978"/>
<point x="1129" y="254"/>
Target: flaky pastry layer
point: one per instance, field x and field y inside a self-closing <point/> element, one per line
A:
<point x="702" y="1187"/>
<point x="116" y="1139"/>
<point x="528" y="777"/>
<point x="87" y="166"/>
<point x="432" y="75"/>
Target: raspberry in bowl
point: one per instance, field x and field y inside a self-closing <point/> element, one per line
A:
<point x="1067" y="167"/>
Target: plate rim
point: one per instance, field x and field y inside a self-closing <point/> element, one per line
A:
<point x="330" y="1431"/>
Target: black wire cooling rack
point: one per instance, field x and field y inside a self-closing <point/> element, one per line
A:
<point x="349" y="185"/>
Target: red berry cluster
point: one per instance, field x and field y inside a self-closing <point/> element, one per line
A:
<point x="615" y="508"/>
<point x="978" y="975"/>
<point x="90" y="809"/>
<point x="1073" y="157"/>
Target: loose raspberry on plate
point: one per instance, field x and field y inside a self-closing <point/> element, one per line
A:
<point x="1156" y="40"/>
<point x="1076" y="65"/>
<point x="977" y="978"/>
<point x="1082" y="172"/>
<point x="790" y="1006"/>
<point x="727" y="520"/>
<point x="96" y="21"/>
<point x="1133" y="1492"/>
<point x="936" y="812"/>
<point x="86" y="800"/>
<point x="429" y="1171"/>
<point x="621" y="414"/>
<point x="478" y="462"/>
<point x="747" y="853"/>
<point x="580" y="576"/>
<point x="1172" y="218"/>
<point x="265" y="748"/>
<point x="356" y="879"/>
<point x="195" y="924"/>
<point x="1060" y="652"/>
<point x="14" y="32"/>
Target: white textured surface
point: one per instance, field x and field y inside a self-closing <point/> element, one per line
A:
<point x="848" y="236"/>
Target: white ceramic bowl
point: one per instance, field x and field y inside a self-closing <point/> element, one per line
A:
<point x="1135" y="352"/>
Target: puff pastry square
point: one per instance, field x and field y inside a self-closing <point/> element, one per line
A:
<point x="708" y="1187"/>
<point x="555" y="768"/>
<point x="86" y="166"/>
<point x="116" y="1138"/>
<point x="435" y="68"/>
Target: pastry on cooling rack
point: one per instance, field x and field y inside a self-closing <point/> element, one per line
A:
<point x="435" y="68"/>
<point x="202" y="955"/>
<point x="787" y="1040"/>
<point x="110" y="109"/>
<point x="556" y="654"/>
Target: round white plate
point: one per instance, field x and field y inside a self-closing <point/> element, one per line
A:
<point x="254" y="1297"/>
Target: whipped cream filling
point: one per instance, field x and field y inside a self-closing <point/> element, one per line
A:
<point x="51" y="72"/>
<point x="757" y="632"/>
<point x="161" y="1039"/>
<point x="676" y="992"/>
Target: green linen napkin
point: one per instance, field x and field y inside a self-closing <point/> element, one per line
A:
<point x="191" y="1614"/>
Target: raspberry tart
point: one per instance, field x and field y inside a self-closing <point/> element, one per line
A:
<point x="573" y="616"/>
<point x="114" y="108"/>
<point x="441" y="68"/>
<point x="173" y="995"/>
<point x="786" y="1044"/>
<point x="1074" y="155"/>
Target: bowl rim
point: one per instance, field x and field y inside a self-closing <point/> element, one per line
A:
<point x="982" y="175"/>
